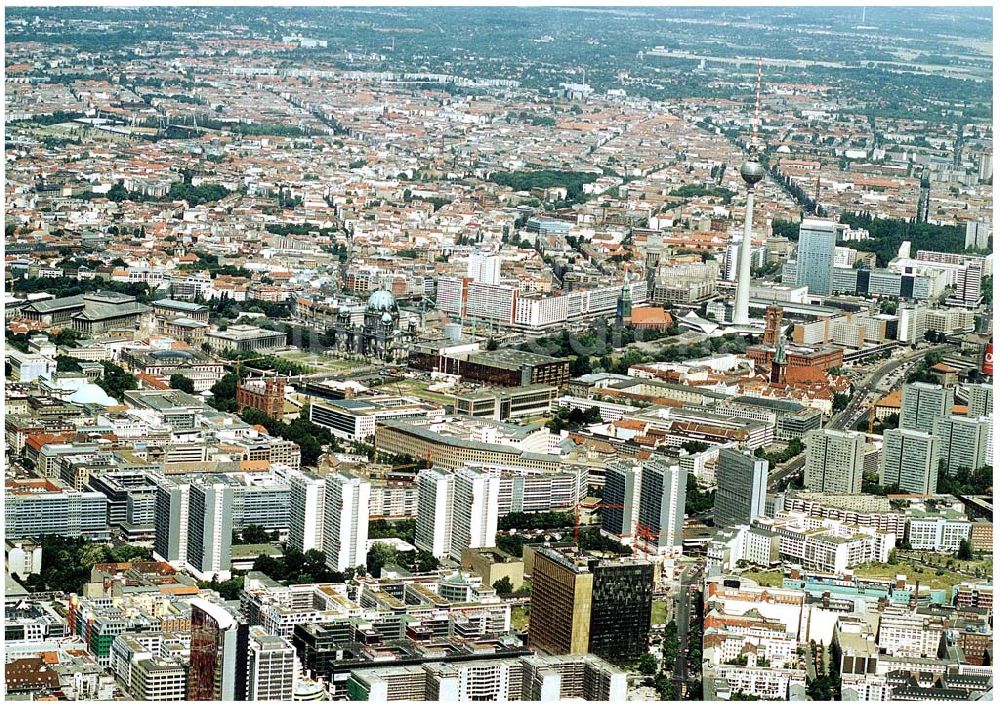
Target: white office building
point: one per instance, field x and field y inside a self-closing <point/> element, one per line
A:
<point x="307" y="505"/>
<point x="835" y="461"/>
<point x="435" y="491"/>
<point x="474" y="510"/>
<point x="345" y="520"/>
<point x="270" y="667"/>
<point x="910" y="461"/>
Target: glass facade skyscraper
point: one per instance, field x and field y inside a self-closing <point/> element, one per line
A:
<point x="742" y="489"/>
<point x="817" y="243"/>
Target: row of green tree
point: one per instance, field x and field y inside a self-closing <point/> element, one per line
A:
<point x="523" y="181"/>
<point x="405" y="529"/>
<point x="688" y="191"/>
<point x="566" y="418"/>
<point x="296" y="567"/>
<point x="309" y="436"/>
<point x="792" y="449"/>
<point x="67" y="562"/>
<point x="68" y="287"/>
<point x="382" y="554"/>
<point x="536" y="520"/>
<point x="886" y="236"/>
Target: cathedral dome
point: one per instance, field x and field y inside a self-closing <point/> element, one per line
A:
<point x="382" y="301"/>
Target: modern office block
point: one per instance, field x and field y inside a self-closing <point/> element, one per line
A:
<point x="307" y="505"/>
<point x="661" y="506"/>
<point x="910" y="461"/>
<point x="742" y="488"/>
<point x="35" y="508"/>
<point x="817" y="244"/>
<point x="345" y="520"/>
<point x="923" y="403"/>
<point x="270" y="667"/>
<point x="835" y="461"/>
<point x="219" y="654"/>
<point x="584" y="604"/>
<point x="964" y="441"/>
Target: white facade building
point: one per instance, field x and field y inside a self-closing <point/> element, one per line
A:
<point x="345" y="521"/>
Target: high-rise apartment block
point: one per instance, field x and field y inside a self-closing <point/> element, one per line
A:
<point x="474" y="510"/>
<point x="980" y="400"/>
<point x="964" y="441"/>
<point x="484" y="268"/>
<point x="923" y="403"/>
<point x="306" y="512"/>
<point x="345" y="520"/>
<point x="910" y="461"/>
<point x="457" y="510"/>
<point x="835" y="461"/>
<point x="210" y="528"/>
<point x="662" y="495"/>
<point x="435" y="491"/>
<point x="620" y="512"/>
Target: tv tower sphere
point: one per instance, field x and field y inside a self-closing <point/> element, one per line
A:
<point x="751" y="170"/>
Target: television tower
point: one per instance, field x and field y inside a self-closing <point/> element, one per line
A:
<point x="752" y="172"/>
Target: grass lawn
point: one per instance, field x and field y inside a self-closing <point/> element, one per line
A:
<point x="319" y="363"/>
<point x="914" y="573"/>
<point x="419" y="389"/>
<point x="519" y="618"/>
<point x="771" y="578"/>
<point x="659" y="615"/>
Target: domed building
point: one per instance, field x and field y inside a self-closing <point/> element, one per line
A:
<point x="380" y="336"/>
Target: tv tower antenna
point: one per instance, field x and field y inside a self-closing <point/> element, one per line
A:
<point x="755" y="121"/>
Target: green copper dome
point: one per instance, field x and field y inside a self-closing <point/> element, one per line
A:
<point x="382" y="301"/>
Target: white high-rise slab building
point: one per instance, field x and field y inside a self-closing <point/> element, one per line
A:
<point x="435" y="490"/>
<point x="305" y="517"/>
<point x="474" y="510"/>
<point x="964" y="441"/>
<point x="457" y="510"/>
<point x="923" y="403"/>
<point x="345" y="520"/>
<point x="910" y="461"/>
<point x="835" y="461"/>
<point x="210" y="529"/>
<point x="484" y="268"/>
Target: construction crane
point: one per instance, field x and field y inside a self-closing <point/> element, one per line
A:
<point x="642" y="532"/>
<point x="648" y="537"/>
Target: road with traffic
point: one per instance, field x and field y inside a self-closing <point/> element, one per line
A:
<point x="871" y="385"/>
<point x="691" y="574"/>
<point x="859" y="403"/>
